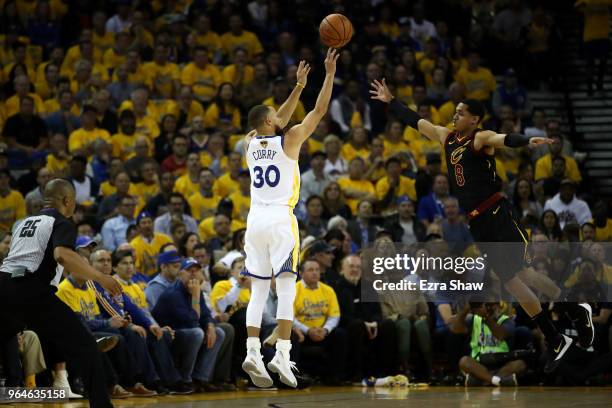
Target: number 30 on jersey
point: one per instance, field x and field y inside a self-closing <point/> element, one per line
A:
<point x="271" y="176"/>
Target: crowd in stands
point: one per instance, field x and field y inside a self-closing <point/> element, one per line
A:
<point x="142" y="106"/>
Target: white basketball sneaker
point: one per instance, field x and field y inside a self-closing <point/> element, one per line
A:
<point x="254" y="366"/>
<point x="282" y="365"/>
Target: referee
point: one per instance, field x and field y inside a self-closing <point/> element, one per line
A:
<point x="41" y="248"/>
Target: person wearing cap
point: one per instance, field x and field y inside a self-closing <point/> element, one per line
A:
<point x="169" y="264"/>
<point x="81" y="140"/>
<point x="393" y="185"/>
<point x="569" y="208"/>
<point x="511" y="93"/>
<point x="12" y="204"/>
<point x="323" y="253"/>
<point x="197" y="340"/>
<point x="543" y="166"/>
<point x="85" y="245"/>
<point x="147" y="244"/>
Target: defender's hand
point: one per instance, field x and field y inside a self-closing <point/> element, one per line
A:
<point x="380" y="91"/>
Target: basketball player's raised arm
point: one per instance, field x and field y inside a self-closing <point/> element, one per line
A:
<point x="285" y="112"/>
<point x="380" y="91"/>
<point x="299" y="133"/>
<point x="77" y="265"/>
<point x="493" y="139"/>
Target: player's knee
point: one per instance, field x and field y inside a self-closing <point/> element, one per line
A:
<point x="465" y="364"/>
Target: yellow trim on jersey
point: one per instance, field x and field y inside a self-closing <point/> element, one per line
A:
<point x="295" y="195"/>
<point x="525" y="241"/>
<point x="296" y="236"/>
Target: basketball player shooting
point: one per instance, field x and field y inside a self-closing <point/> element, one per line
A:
<point x="272" y="238"/>
<point x="471" y="165"/>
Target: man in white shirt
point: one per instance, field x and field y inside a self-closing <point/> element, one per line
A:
<point x="314" y="180"/>
<point x="421" y="29"/>
<point x="569" y="208"/>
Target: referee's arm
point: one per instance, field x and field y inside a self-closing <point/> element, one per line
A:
<point x="76" y="265"/>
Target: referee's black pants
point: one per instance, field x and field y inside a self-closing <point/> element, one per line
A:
<point x="30" y="302"/>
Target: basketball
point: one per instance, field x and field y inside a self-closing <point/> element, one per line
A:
<point x="335" y="30"/>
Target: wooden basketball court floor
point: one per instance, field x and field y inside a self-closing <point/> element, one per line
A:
<point x="356" y="397"/>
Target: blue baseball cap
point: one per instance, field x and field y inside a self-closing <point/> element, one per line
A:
<point x="189" y="262"/>
<point x="143" y="214"/>
<point x="168" y="258"/>
<point x="402" y="199"/>
<point x="83" y="241"/>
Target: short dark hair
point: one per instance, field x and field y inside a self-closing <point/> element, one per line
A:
<point x="117" y="256"/>
<point x="392" y="160"/>
<point x="314" y="197"/>
<point x="475" y="107"/>
<point x="257" y="115"/>
<point x="318" y="153"/>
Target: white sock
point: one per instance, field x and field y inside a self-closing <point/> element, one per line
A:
<point x="283" y="347"/>
<point x="253" y="343"/>
<point x="61" y="375"/>
<point x="495" y="380"/>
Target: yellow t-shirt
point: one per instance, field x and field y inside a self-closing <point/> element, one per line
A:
<point x="446" y="112"/>
<point x="13" y="104"/>
<point x="246" y="40"/>
<point x="364" y="186"/>
<point x="213" y="117"/>
<point x="421" y="147"/>
<point x="112" y="60"/>
<point x="225" y="185"/>
<point x="12" y="208"/>
<point x="604" y="234"/>
<point x="145" y="192"/>
<point x="348" y="152"/>
<point x="52" y="105"/>
<point x="221" y="289"/>
<point x="389" y="148"/>
<point x="207" y="230"/>
<point x="405" y="187"/>
<point x="211" y="41"/>
<point x="106" y="189"/>
<point x="242" y="204"/>
<point x="500" y="170"/>
<point x="404" y="94"/>
<point x="195" y="109"/>
<point x="56" y="165"/>
<point x="543" y="168"/>
<point x="596" y="19"/>
<point x="204" y="82"/>
<point x="146" y="252"/>
<point x="229" y="73"/>
<point x="315" y="146"/>
<point x="134" y="292"/>
<point x="203" y="207"/>
<point x="123" y="145"/>
<point x="81" y="301"/>
<point x="185" y="186"/>
<point x="103" y="42"/>
<point x="161" y="77"/>
<point x="298" y="115"/>
<point x="81" y="138"/>
<point x="479" y="84"/>
<point x="312" y="307"/>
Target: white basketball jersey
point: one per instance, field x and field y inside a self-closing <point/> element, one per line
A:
<point x="275" y="178"/>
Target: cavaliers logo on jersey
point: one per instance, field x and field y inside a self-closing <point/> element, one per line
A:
<point x="264" y="143"/>
<point x="457" y="154"/>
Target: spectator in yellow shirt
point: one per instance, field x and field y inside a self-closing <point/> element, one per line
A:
<point x="317" y="315"/>
<point x="239" y="37"/>
<point x="241" y="199"/>
<point x="188" y="184"/>
<point x="186" y="109"/>
<point x="123" y="141"/>
<point x="357" y="146"/>
<point x="456" y="92"/>
<point x="81" y="140"/>
<point x="46" y="87"/>
<point x="543" y="166"/>
<point x="393" y="186"/>
<point x="117" y="55"/>
<point x="22" y="88"/>
<point x="354" y="186"/>
<point x="147" y="245"/>
<point x="58" y="157"/>
<point x="206" y="37"/>
<point x="478" y="81"/>
<point x="233" y="294"/>
<point x="224" y="113"/>
<point x="228" y="183"/>
<point x="239" y="73"/>
<point x="145" y="111"/>
<point x="204" y="203"/>
<point x="280" y="92"/>
<point x="162" y="76"/>
<point x="603" y="224"/>
<point x="12" y="204"/>
<point x="595" y="36"/>
<point x="149" y="186"/>
<point x="101" y="38"/>
<point x="203" y="77"/>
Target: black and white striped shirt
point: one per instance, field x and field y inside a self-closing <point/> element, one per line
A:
<point x="33" y="242"/>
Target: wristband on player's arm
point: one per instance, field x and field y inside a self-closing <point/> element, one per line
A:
<point x="405" y="114"/>
<point x="516" y="140"/>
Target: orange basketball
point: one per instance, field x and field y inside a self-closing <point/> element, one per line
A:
<point x="335" y="30"/>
